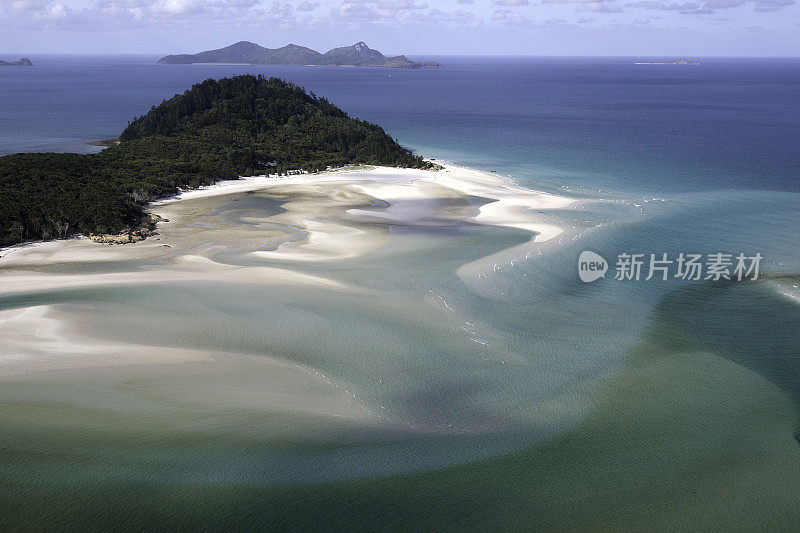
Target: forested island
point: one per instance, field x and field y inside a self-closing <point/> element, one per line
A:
<point x="219" y="129"/>
<point x="245" y="52"/>
<point x="23" y="62"/>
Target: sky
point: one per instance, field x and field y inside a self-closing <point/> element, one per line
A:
<point x="413" y="27"/>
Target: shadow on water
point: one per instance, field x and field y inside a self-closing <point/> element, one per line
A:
<point x="749" y="323"/>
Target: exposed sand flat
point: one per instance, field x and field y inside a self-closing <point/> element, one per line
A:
<point x="186" y="269"/>
<point x="400" y="196"/>
<point x="41" y="342"/>
<point x="510" y="206"/>
<point x="277" y="235"/>
<point x="340" y="214"/>
<point x="78" y="250"/>
<point x="513" y="204"/>
<point x="39" y="338"/>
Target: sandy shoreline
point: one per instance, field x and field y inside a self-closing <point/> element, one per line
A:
<point x="509" y="206"/>
<point x="323" y="219"/>
<point x="351" y="295"/>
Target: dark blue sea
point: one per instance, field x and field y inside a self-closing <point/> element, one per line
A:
<point x="608" y="123"/>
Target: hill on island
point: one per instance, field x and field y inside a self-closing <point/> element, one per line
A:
<point x="245" y="52"/>
<point x="219" y="129"/>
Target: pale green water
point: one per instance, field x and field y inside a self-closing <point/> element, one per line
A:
<point x="493" y="402"/>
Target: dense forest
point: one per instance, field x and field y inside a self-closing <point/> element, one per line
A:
<point x="219" y="129"/>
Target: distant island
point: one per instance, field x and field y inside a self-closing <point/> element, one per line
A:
<point x="247" y="53"/>
<point x="23" y="62"/>
<point x="673" y="62"/>
<point x="219" y="129"/>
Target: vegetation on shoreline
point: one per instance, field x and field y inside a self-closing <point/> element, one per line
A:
<point x="219" y="129"/>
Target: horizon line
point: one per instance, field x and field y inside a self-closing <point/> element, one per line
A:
<point x="429" y="54"/>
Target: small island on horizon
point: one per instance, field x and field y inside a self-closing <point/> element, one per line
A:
<point x="23" y="62"/>
<point x="247" y="53"/>
<point x="673" y="62"/>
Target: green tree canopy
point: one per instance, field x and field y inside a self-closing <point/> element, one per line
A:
<point x="219" y="129"/>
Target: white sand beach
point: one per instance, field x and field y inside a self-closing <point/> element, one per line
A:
<point x="290" y="237"/>
<point x="318" y="204"/>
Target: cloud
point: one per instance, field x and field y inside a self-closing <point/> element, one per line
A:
<point x="453" y="18"/>
<point x="357" y="14"/>
<point x="29" y="5"/>
<point x="554" y="22"/>
<point x="180" y="7"/>
<point x="601" y="7"/>
<point x="57" y="11"/>
<point x="507" y="16"/>
<point x="53" y="12"/>
<point x="365" y="16"/>
<point x="501" y="15"/>
<point x="234" y="3"/>
<point x="129" y="14"/>
<point x="686" y="6"/>
<point x="771" y="5"/>
<point x="722" y="4"/>
<point x="709" y="6"/>
<point x="594" y="6"/>
<point x="396" y="4"/>
<point x="38" y="11"/>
